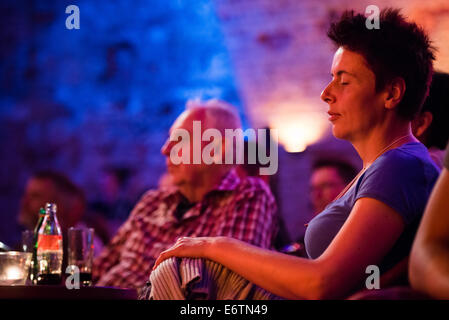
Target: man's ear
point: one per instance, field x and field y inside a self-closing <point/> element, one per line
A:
<point x="421" y="123"/>
<point x="395" y="92"/>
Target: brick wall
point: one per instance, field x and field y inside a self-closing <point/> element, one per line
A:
<point x="104" y="95"/>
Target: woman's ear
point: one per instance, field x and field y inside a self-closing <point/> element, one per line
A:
<point x="395" y="92"/>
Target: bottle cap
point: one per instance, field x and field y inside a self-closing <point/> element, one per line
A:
<point x="50" y="206"/>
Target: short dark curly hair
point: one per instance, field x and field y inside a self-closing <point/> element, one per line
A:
<point x="397" y="49"/>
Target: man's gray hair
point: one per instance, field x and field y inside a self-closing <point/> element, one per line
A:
<point x="218" y="114"/>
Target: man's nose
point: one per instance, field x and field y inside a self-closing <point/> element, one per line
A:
<point x="165" y="150"/>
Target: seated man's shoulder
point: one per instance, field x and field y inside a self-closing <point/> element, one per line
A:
<point x="150" y="194"/>
<point x="154" y="194"/>
<point x="150" y="197"/>
<point x="250" y="185"/>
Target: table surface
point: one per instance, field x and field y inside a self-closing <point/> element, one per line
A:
<point x="62" y="293"/>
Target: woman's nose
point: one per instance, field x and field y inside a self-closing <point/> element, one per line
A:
<point x="326" y="95"/>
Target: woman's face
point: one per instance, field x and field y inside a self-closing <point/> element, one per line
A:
<point x="354" y="106"/>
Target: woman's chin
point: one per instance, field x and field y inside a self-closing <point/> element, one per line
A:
<point x="336" y="132"/>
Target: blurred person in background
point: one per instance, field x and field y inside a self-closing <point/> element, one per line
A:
<point x="329" y="177"/>
<point x="113" y="203"/>
<point x="55" y="187"/>
<point x="431" y="125"/>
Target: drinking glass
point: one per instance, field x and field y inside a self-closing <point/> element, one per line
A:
<point x="80" y="253"/>
<point x="28" y="241"/>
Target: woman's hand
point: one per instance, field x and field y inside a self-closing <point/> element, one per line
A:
<point x="187" y="247"/>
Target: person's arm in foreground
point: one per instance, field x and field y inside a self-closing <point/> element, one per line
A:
<point x="369" y="233"/>
<point x="429" y="260"/>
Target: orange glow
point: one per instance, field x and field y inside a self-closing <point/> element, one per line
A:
<point x="296" y="132"/>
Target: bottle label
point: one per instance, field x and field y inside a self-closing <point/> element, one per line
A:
<point x="49" y="242"/>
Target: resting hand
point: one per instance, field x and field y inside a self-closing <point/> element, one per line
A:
<point x="186" y="247"/>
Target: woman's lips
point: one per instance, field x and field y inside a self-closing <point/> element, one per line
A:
<point x="333" y="116"/>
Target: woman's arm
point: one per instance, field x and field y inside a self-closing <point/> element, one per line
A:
<point x="369" y="233"/>
<point x="429" y="260"/>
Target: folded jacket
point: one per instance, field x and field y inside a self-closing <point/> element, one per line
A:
<point x="199" y="279"/>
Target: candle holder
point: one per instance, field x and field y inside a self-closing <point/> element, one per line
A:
<point x="14" y="267"/>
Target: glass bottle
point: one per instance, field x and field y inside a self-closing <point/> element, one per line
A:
<point x="49" y="248"/>
<point x="33" y="267"/>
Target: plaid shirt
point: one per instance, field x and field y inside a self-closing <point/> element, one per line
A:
<point x="242" y="209"/>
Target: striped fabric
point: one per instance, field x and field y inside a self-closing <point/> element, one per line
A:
<point x="199" y="279"/>
<point x="243" y="209"/>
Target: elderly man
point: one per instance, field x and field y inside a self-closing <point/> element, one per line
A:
<point x="200" y="200"/>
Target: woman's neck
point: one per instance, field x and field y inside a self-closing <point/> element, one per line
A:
<point x="378" y="142"/>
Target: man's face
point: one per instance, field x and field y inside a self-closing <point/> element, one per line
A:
<point x="185" y="174"/>
<point x="354" y="106"/>
<point x="325" y="185"/>
<point x="37" y="193"/>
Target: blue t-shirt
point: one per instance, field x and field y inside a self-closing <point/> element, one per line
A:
<point x="402" y="178"/>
